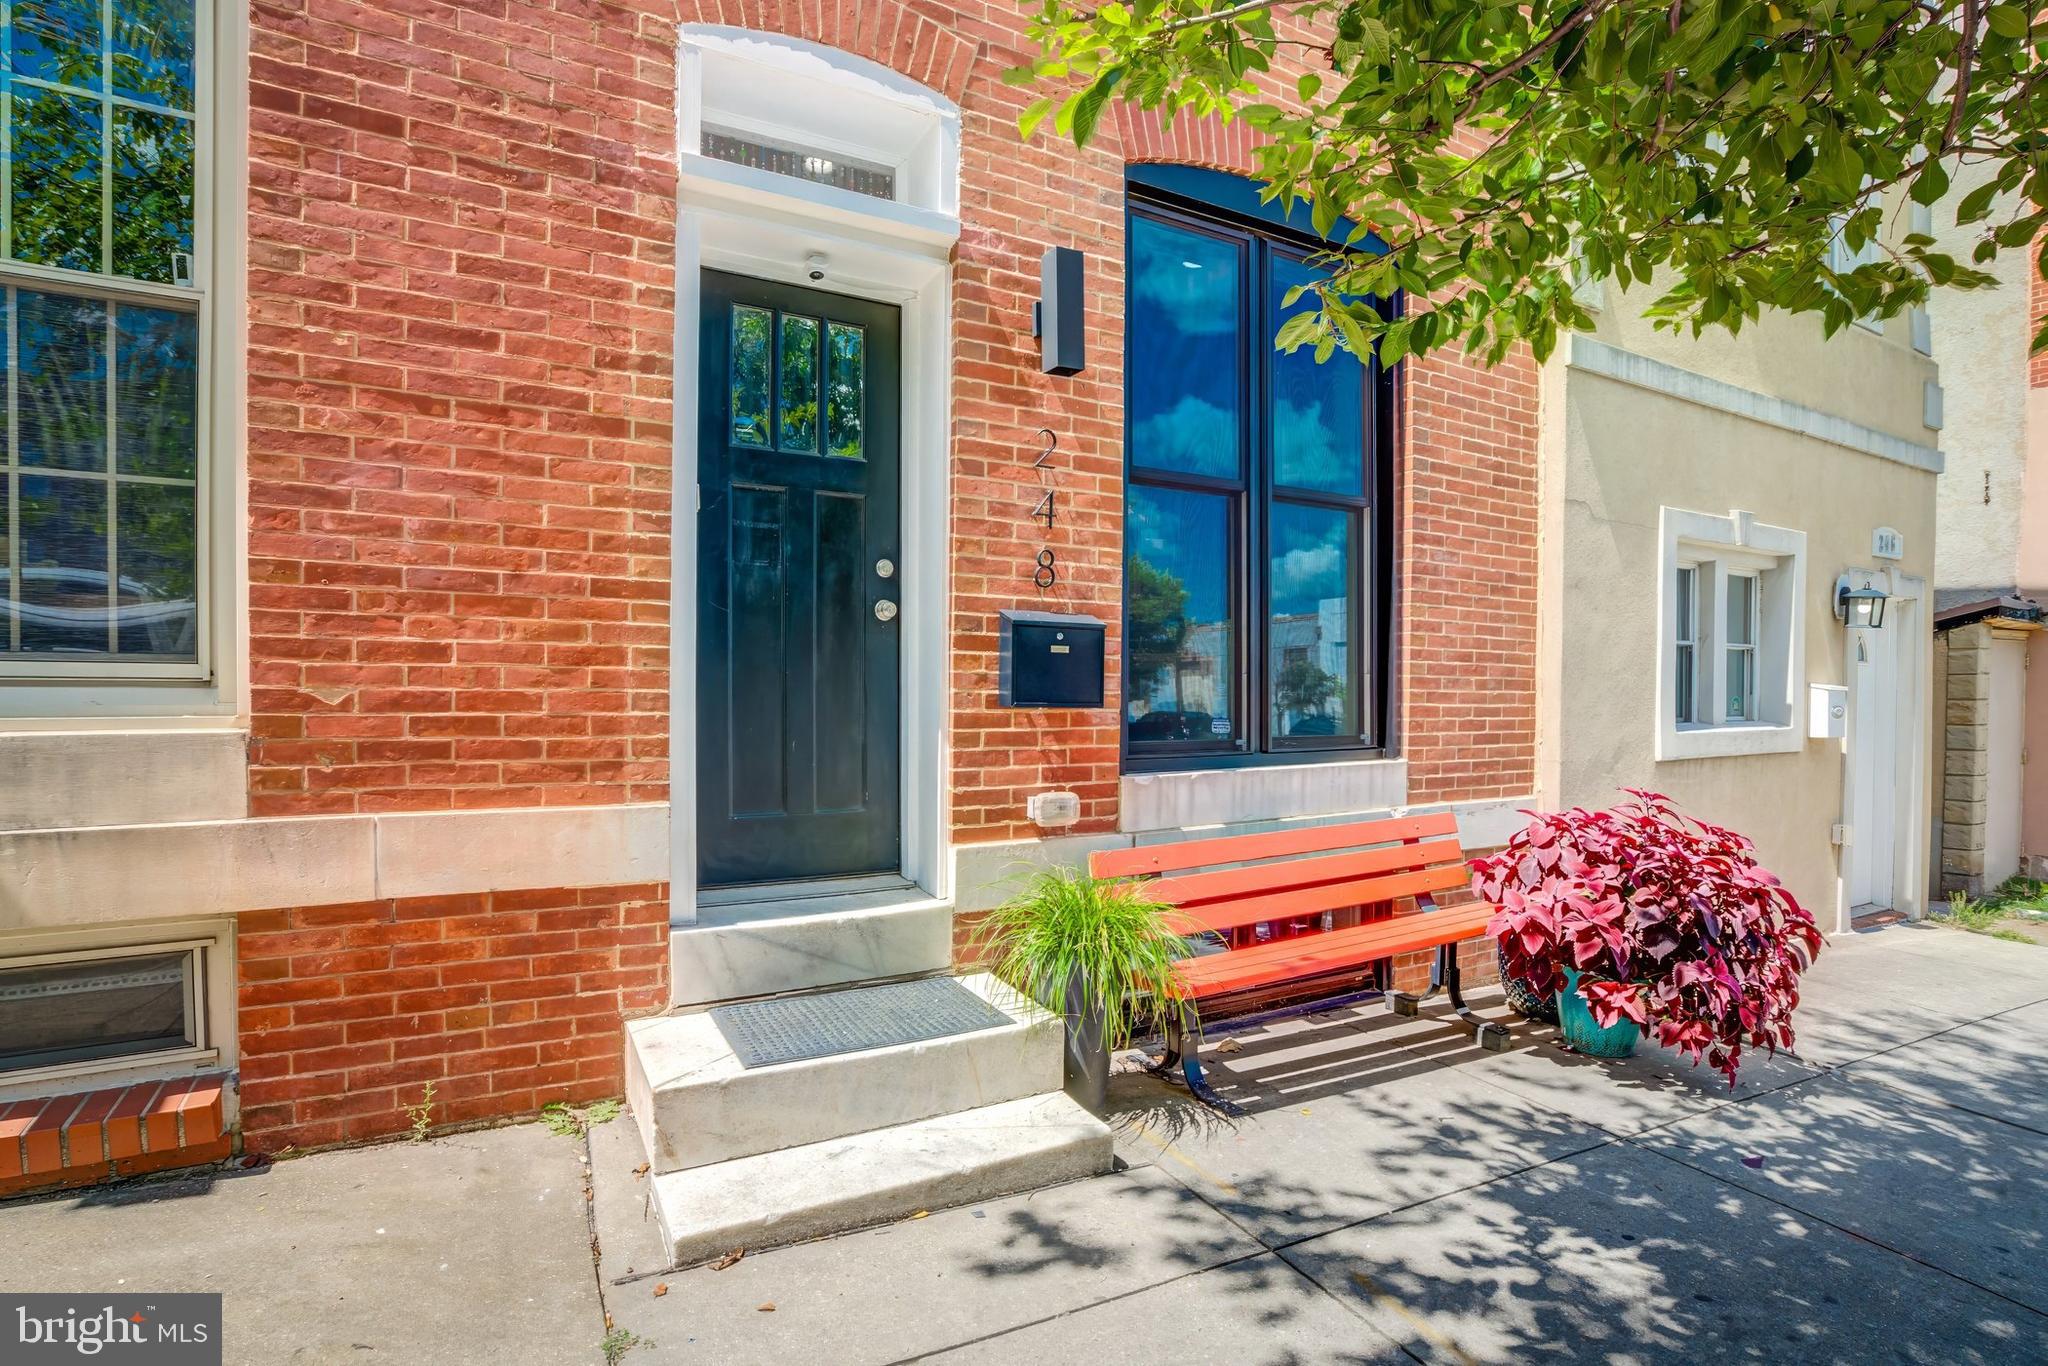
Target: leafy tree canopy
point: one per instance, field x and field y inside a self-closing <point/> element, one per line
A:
<point x="1503" y="148"/>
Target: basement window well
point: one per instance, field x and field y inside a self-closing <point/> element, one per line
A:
<point x="106" y="1007"/>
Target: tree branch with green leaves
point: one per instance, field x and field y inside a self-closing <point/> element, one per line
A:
<point x="1480" y="159"/>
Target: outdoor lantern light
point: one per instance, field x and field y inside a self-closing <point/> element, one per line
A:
<point x="1858" y="606"/>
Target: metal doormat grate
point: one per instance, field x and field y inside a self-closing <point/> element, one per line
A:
<point x="799" y="1027"/>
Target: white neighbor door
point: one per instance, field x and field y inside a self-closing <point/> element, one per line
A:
<point x="1875" y="768"/>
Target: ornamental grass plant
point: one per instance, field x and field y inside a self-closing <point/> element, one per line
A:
<point x="1081" y="944"/>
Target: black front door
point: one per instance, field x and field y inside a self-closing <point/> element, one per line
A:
<point x="799" y="571"/>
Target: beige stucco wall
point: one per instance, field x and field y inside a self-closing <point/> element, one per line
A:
<point x="1868" y="374"/>
<point x="1980" y="340"/>
<point x="2032" y="574"/>
<point x="1615" y="454"/>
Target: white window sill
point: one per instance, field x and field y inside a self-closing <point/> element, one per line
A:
<point x="1715" y="742"/>
<point x="1200" y="798"/>
<point x="106" y="1073"/>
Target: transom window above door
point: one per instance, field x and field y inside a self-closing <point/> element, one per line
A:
<point x="1256" y="506"/>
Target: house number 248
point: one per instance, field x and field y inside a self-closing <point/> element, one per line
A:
<point x="1047" y="574"/>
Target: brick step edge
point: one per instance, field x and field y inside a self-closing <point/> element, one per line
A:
<point x="92" y="1136"/>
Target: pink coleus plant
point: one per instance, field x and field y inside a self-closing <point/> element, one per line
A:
<point x="1668" y="920"/>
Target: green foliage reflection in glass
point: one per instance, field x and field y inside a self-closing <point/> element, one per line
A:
<point x="796" y="400"/>
<point x="781" y="353"/>
<point x="753" y="343"/>
<point x="106" y="548"/>
<point x="845" y="390"/>
<point x="101" y="174"/>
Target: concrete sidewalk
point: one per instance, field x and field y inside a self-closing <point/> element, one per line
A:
<point x="1395" y="1194"/>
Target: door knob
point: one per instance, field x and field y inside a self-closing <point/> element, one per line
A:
<point x="885" y="610"/>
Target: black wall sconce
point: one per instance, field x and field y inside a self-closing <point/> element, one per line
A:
<point x="1059" y="317"/>
<point x="1858" y="606"/>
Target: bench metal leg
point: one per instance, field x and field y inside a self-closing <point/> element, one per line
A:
<point x="1180" y="1051"/>
<point x="1444" y="976"/>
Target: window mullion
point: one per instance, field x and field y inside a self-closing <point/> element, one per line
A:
<point x="106" y="101"/>
<point x="1258" y="457"/>
<point x="6" y="139"/>
<point x="1713" y="632"/>
<point x="113" y="484"/>
<point x="13" y="529"/>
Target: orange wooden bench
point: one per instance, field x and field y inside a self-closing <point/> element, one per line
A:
<point x="1225" y="890"/>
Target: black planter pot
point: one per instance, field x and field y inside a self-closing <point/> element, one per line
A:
<point x="1525" y="1002"/>
<point x="1087" y="1059"/>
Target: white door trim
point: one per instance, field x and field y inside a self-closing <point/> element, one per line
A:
<point x="1906" y="613"/>
<point x="873" y="256"/>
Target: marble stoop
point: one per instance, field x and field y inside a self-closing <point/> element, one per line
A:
<point x="696" y="1105"/>
<point x="768" y="955"/>
<point x="795" y="1194"/>
<point x="756" y="1157"/>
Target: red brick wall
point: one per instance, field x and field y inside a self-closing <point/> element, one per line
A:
<point x="505" y="1001"/>
<point x="1467" y="578"/>
<point x="1467" y="451"/>
<point x="461" y="309"/>
<point x="461" y="300"/>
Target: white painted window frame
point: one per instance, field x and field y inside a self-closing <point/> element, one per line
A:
<point x="1748" y="583"/>
<point x="1719" y="549"/>
<point x="1842" y="260"/>
<point x="1685" y="644"/>
<point x="209" y="1004"/>
<point x="757" y="223"/>
<point x="51" y="694"/>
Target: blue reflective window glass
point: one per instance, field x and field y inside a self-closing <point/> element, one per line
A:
<point x="1183" y="635"/>
<point x="152" y="51"/>
<point x="1317" y="411"/>
<point x="1310" y="621"/>
<point x="1186" y="351"/>
<point x="1256" y="535"/>
<point x="56" y="41"/>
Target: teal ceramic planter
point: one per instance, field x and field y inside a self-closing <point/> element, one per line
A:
<point x="1583" y="1033"/>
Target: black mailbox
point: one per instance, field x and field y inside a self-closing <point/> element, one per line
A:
<point x="1051" y="660"/>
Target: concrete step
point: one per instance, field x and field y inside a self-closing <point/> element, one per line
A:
<point x="696" y="1105"/>
<point x="847" y="1183"/>
<point x="725" y="959"/>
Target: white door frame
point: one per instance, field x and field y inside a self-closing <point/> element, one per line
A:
<point x="756" y="223"/>
<point x="1906" y="612"/>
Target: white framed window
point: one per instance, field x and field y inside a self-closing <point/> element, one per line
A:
<point x="1685" y="658"/>
<point x="116" y="499"/>
<point x="1731" y="626"/>
<point x="1844" y="259"/>
<point x="1744" y="594"/>
<point x="154" y="1000"/>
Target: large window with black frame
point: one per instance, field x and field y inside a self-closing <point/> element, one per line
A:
<point x="1257" y="507"/>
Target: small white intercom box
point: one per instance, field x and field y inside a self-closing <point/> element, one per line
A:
<point x="1827" y="711"/>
